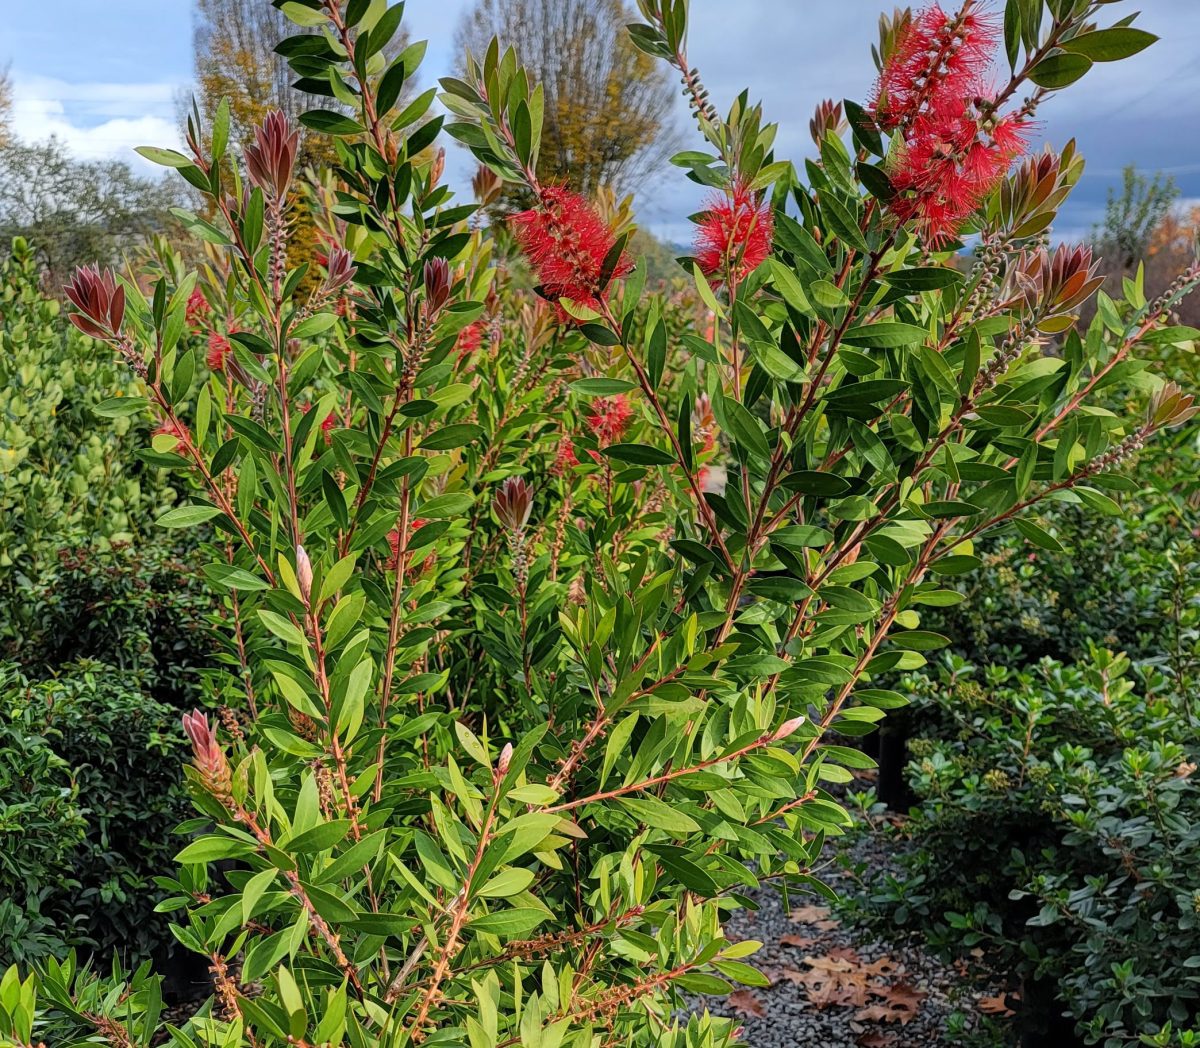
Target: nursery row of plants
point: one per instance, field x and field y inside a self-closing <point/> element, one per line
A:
<point x="430" y="635"/>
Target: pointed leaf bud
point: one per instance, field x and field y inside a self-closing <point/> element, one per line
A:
<point x="787" y="728"/>
<point x="505" y="759"/>
<point x="437" y="283"/>
<point x="271" y="158"/>
<point x="513" y="503"/>
<point x="99" y="299"/>
<point x="304" y="573"/>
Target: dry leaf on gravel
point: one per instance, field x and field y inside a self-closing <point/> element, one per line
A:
<point x="746" y="1004"/>
<point x="816" y="915"/>
<point x="801" y="942"/>
<point x="997" y="1005"/>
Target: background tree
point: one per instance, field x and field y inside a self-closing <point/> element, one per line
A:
<point x="6" y="107"/>
<point x="1132" y="214"/>
<point x="73" y="211"/>
<point x="608" y="105"/>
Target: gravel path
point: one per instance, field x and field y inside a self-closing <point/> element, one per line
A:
<point x="831" y="989"/>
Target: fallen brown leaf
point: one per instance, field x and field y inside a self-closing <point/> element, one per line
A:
<point x="746" y="1004"/>
<point x="997" y="1005"/>
<point x="802" y="942"/>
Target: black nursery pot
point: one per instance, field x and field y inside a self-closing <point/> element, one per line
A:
<point x="1042" y="1021"/>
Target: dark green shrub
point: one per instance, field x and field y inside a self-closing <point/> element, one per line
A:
<point x="90" y="791"/>
<point x="1058" y="827"/>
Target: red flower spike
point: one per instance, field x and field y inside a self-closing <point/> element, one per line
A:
<point x="469" y="339"/>
<point x="564" y="457"/>
<point x="736" y="230"/>
<point x="937" y="57"/>
<point x="197" y="310"/>
<point x="171" y="428"/>
<point x="566" y="242"/>
<point x="956" y="149"/>
<point x="218" y="350"/>
<point x="609" y="418"/>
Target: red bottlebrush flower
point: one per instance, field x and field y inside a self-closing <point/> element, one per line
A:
<point x="207" y="755"/>
<point x="567" y="242"/>
<point x="393" y="539"/>
<point x="735" y="233"/>
<point x="218" y="349"/>
<point x="609" y="418"/>
<point x="197" y="310"/>
<point x="956" y="148"/>
<point x="172" y="428"/>
<point x="937" y="57"/>
<point x="328" y="423"/>
<point x="99" y="299"/>
<point x="950" y="164"/>
<point x="469" y="339"/>
<point x="271" y="158"/>
<point x="564" y="457"/>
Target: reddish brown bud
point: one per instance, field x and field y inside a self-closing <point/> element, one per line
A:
<point x="828" y="117"/>
<point x="272" y="157"/>
<point x="99" y="299"/>
<point x="486" y="185"/>
<point x="339" y="269"/>
<point x="1171" y="406"/>
<point x="208" y="756"/>
<point x="437" y="283"/>
<point x="513" y="503"/>
<point x="437" y="168"/>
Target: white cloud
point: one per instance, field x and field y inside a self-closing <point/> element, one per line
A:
<point x="96" y="121"/>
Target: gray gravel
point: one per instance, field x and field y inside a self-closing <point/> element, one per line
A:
<point x="831" y="987"/>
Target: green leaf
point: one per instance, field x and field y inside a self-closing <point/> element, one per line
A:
<point x="746" y="430"/>
<point x="601" y="387"/>
<point x="233" y="578"/>
<point x="659" y="814"/>
<point x="1059" y="70"/>
<point x="314" y="325"/>
<point x="886" y="334"/>
<point x="119" y="407"/>
<point x="187" y="516"/>
<point x="639" y="454"/>
<point x="1039" y="536"/>
<point x="515" y="923"/>
<point x="282" y="627"/>
<point x="508" y="882"/>
<point x="210" y="849"/>
<point x="454" y="504"/>
<point x="328" y="122"/>
<point x="931" y="278"/>
<point x="319" y="838"/>
<point x="165" y="157"/>
<point x="1110" y="45"/>
<point x="449" y="437"/>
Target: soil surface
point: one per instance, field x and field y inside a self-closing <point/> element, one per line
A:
<point x="833" y="986"/>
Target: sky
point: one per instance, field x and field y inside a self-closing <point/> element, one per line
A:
<point x="108" y="76"/>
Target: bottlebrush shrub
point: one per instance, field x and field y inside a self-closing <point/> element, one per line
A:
<point x="535" y="696"/>
<point x="1056" y="829"/>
